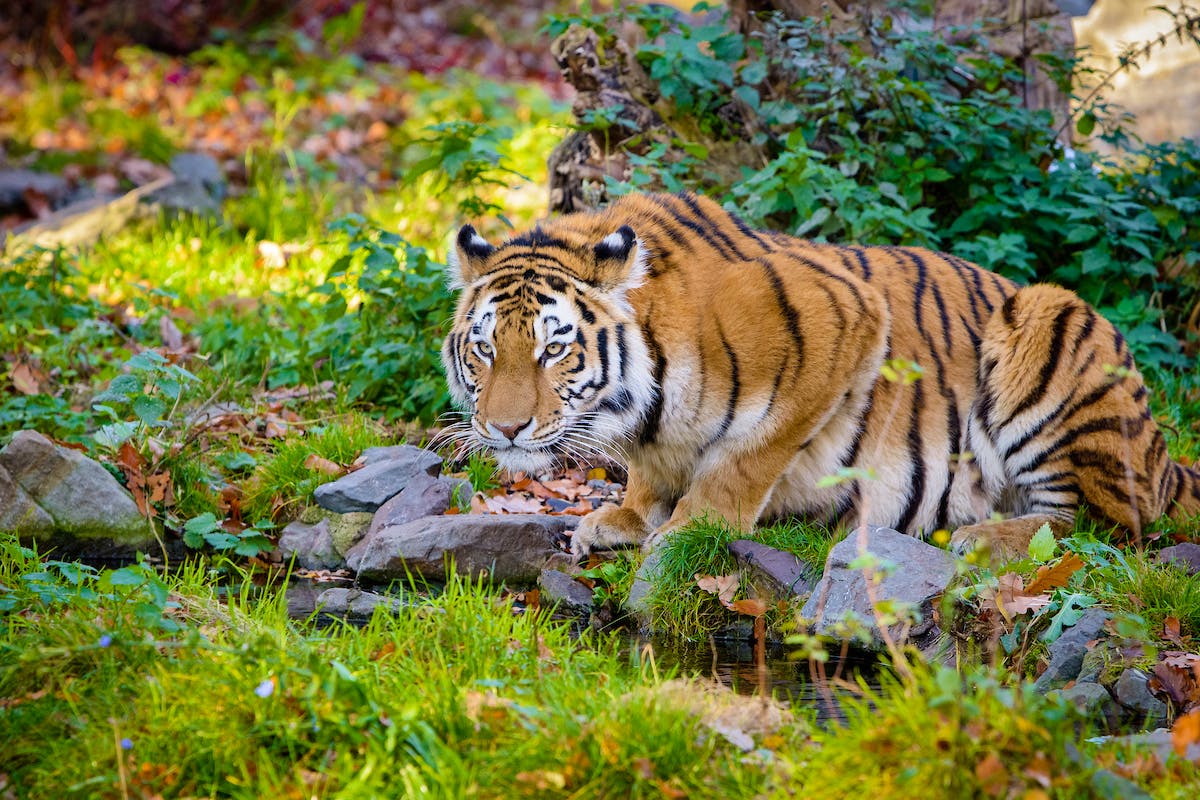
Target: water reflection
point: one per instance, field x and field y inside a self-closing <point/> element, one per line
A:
<point x="738" y="665"/>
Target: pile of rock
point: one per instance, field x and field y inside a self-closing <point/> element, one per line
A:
<point x="387" y="521"/>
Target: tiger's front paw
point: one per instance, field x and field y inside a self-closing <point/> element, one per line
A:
<point x="1004" y="540"/>
<point x="607" y="527"/>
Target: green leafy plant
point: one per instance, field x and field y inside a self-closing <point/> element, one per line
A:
<point x="207" y="530"/>
<point x="141" y="399"/>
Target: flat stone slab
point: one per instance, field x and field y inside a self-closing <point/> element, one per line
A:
<point x="914" y="574"/>
<point x="782" y="573"/>
<point x="507" y="547"/>
<point x="370" y="487"/>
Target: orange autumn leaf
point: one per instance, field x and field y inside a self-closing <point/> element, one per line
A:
<point x="1055" y="575"/>
<point x="1186" y="732"/>
<point x="750" y="607"/>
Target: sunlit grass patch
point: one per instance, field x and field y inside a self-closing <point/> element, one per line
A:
<point x="458" y="696"/>
<point x="1138" y="585"/>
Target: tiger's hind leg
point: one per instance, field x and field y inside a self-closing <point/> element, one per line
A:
<point x="1060" y="419"/>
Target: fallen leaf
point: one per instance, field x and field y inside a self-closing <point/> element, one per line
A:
<point x="323" y="465"/>
<point x="1171" y="631"/>
<point x="597" y="474"/>
<point x="161" y="488"/>
<point x="992" y="775"/>
<point x="26" y="379"/>
<point x="1185" y="732"/>
<point x="1177" y="684"/>
<point x="749" y="606"/>
<point x="1055" y="575"/>
<point x="513" y="504"/>
<point x="1176" y="658"/>
<point x="723" y="586"/>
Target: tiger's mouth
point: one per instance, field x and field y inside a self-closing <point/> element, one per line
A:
<point x="578" y="441"/>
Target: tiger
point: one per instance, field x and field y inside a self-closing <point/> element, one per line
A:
<point x="749" y="375"/>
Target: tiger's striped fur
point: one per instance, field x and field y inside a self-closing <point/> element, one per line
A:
<point x="732" y="369"/>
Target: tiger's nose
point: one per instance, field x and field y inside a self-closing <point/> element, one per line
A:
<point x="510" y="431"/>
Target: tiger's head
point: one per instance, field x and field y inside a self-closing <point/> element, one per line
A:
<point x="545" y="352"/>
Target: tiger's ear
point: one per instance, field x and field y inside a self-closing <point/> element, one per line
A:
<point x="620" y="261"/>
<point x="466" y="258"/>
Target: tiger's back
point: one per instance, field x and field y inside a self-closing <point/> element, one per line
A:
<point x="756" y="360"/>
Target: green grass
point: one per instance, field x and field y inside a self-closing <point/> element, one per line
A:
<point x="460" y="698"/>
<point x="122" y="683"/>
<point x="679" y="607"/>
<point x="1152" y="591"/>
<point x="281" y="480"/>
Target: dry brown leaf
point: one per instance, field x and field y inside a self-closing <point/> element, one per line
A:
<point x="723" y="586"/>
<point x="1179" y="659"/>
<point x="1055" y="575"/>
<point x="750" y="607"/>
<point x="26" y="379"/>
<point x="513" y="504"/>
<point x="1186" y="732"/>
<point x="1171" y="631"/>
<point x="161" y="489"/>
<point x="991" y="774"/>
<point x="323" y="465"/>
<point x="580" y="509"/>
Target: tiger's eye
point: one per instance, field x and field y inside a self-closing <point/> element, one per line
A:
<point x="485" y="349"/>
<point x="555" y="349"/>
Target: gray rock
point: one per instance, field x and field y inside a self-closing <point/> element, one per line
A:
<point x="15" y="182"/>
<point x="1067" y="652"/>
<point x="346" y="530"/>
<point x="355" y="603"/>
<point x="921" y="573"/>
<point x="1108" y="784"/>
<point x="19" y="513"/>
<point x="83" y="223"/>
<point x="202" y="170"/>
<point x="512" y="548"/>
<point x="1135" y="696"/>
<point x="638" y="601"/>
<point x="770" y="571"/>
<point x="311" y="545"/>
<point x="396" y="452"/>
<point x="1092" y="699"/>
<point x="1159" y="741"/>
<point x="370" y="487"/>
<point x="1185" y="556"/>
<point x="461" y="490"/>
<point x="183" y="197"/>
<point x="83" y="498"/>
<point x="424" y="496"/>
<point x="560" y="589"/>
